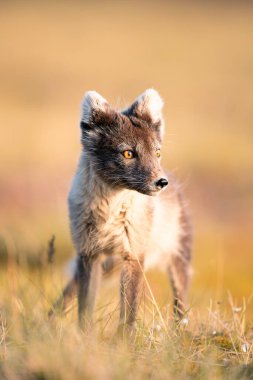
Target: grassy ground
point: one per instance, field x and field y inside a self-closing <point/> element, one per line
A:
<point x="214" y="344"/>
<point x="200" y="57"/>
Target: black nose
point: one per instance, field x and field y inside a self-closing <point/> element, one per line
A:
<point x="161" y="183"/>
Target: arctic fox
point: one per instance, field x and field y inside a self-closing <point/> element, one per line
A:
<point x="123" y="206"/>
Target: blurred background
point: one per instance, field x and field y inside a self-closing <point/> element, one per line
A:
<point x="198" y="55"/>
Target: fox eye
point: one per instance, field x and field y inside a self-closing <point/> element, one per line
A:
<point x="158" y="153"/>
<point x="128" y="154"/>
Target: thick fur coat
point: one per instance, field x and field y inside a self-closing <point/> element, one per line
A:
<point x="123" y="207"/>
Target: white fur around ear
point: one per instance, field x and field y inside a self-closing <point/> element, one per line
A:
<point x="92" y="101"/>
<point x="151" y="103"/>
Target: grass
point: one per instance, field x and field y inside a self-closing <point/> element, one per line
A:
<point x="214" y="344"/>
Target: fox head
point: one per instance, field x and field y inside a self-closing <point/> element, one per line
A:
<point x="124" y="146"/>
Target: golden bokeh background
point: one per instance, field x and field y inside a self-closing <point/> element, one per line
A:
<point x="198" y="55"/>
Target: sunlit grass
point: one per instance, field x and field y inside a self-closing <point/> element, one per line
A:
<point x="216" y="343"/>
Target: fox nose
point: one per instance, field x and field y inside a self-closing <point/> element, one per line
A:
<point x="161" y="183"/>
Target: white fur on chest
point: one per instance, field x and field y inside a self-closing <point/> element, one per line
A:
<point x="122" y="232"/>
<point x="164" y="239"/>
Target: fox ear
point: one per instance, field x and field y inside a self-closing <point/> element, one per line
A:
<point x="147" y="106"/>
<point x="92" y="106"/>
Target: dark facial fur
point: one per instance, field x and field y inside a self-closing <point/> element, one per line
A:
<point x="111" y="133"/>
